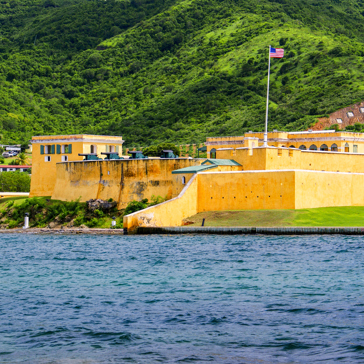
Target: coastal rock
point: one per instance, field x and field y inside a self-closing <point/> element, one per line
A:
<point x="99" y="204"/>
<point x="83" y="226"/>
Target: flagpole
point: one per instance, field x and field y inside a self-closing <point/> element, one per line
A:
<point x="266" y="110"/>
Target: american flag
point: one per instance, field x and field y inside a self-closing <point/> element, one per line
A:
<point x="276" y="53"/>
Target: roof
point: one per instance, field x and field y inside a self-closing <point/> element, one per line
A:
<point x="203" y="149"/>
<point x="167" y="151"/>
<point x="13" y="166"/>
<point x="222" y="162"/>
<point x="135" y="151"/>
<point x="193" y="169"/>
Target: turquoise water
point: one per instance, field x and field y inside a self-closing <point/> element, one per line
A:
<point x="148" y="299"/>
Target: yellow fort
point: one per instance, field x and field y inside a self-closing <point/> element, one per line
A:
<point x="50" y="150"/>
<point x="296" y="170"/>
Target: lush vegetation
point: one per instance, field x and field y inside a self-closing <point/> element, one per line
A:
<point x="14" y="182"/>
<point x="156" y="150"/>
<point x="324" y="216"/>
<point x="44" y="212"/>
<point x="174" y="70"/>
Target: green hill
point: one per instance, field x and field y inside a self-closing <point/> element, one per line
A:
<point x="174" y="70"/>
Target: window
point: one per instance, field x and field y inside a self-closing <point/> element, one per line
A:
<point x="303" y="147"/>
<point x="313" y="147"/>
<point x="66" y="149"/>
<point x="361" y="109"/>
<point x="324" y="148"/>
<point x="112" y="149"/>
<point x="49" y="149"/>
<point x="346" y="148"/>
<point x="213" y="153"/>
<point x="339" y="121"/>
<point x="93" y="149"/>
<point x="350" y="114"/>
<point x="183" y="180"/>
<point x="64" y="158"/>
<point x="355" y="148"/>
<point x="292" y="146"/>
<point x="47" y="158"/>
<point x="334" y="148"/>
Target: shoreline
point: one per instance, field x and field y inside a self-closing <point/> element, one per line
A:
<point x="63" y="231"/>
<point x="197" y="230"/>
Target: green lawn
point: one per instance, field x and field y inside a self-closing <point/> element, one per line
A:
<point x="325" y="216"/>
<point x="8" y="160"/>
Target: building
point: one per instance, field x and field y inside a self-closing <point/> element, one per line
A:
<point x="297" y="170"/>
<point x="280" y="176"/>
<point x="50" y="150"/>
<point x="14" y="168"/>
<point x="325" y="140"/>
<point x="344" y="117"/>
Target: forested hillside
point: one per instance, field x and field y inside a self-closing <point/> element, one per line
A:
<point x="174" y="70"/>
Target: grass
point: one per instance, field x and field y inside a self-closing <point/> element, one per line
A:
<point x="325" y="216"/>
<point x="8" y="160"/>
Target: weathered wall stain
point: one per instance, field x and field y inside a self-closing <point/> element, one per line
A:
<point x="121" y="180"/>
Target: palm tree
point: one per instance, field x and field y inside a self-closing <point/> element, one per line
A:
<point x="22" y="159"/>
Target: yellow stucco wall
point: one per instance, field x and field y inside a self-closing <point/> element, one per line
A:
<point x="170" y="213"/>
<point x="328" y="189"/>
<point x="255" y="190"/>
<point x="345" y="141"/>
<point x="121" y="180"/>
<point x="288" y="158"/>
<point x="245" y="190"/>
<point x="44" y="172"/>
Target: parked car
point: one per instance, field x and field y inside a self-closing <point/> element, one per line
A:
<point x="6" y="155"/>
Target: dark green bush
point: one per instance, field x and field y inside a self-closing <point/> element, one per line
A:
<point x="135" y="206"/>
<point x="14" y="182"/>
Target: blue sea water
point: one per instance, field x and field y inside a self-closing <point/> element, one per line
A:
<point x="180" y="299"/>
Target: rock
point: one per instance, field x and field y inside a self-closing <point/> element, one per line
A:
<point x="83" y="226"/>
<point x="187" y="222"/>
<point x="99" y="204"/>
<point x="52" y="225"/>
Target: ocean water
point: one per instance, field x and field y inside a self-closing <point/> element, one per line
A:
<point x="181" y="299"/>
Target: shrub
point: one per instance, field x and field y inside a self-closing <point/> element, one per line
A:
<point x="155" y="200"/>
<point x="79" y="220"/>
<point x="156" y="150"/>
<point x="135" y="206"/>
<point x="93" y="222"/>
<point x="14" y="182"/>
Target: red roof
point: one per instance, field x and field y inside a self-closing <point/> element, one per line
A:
<point x="13" y="166"/>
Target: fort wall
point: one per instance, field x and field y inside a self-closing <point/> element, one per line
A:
<point x="169" y="213"/>
<point x="288" y="158"/>
<point x="255" y="190"/>
<point x="121" y="180"/>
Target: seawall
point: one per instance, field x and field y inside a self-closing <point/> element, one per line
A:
<point x="253" y="230"/>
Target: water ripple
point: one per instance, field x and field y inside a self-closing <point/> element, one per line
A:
<point x="194" y="298"/>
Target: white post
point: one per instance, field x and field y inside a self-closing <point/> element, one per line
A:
<point x="113" y="222"/>
<point x="26" y="221"/>
<point x="266" y="110"/>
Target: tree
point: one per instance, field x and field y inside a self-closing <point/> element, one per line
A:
<point x="156" y="150"/>
<point x="22" y="159"/>
<point x="14" y="182"/>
